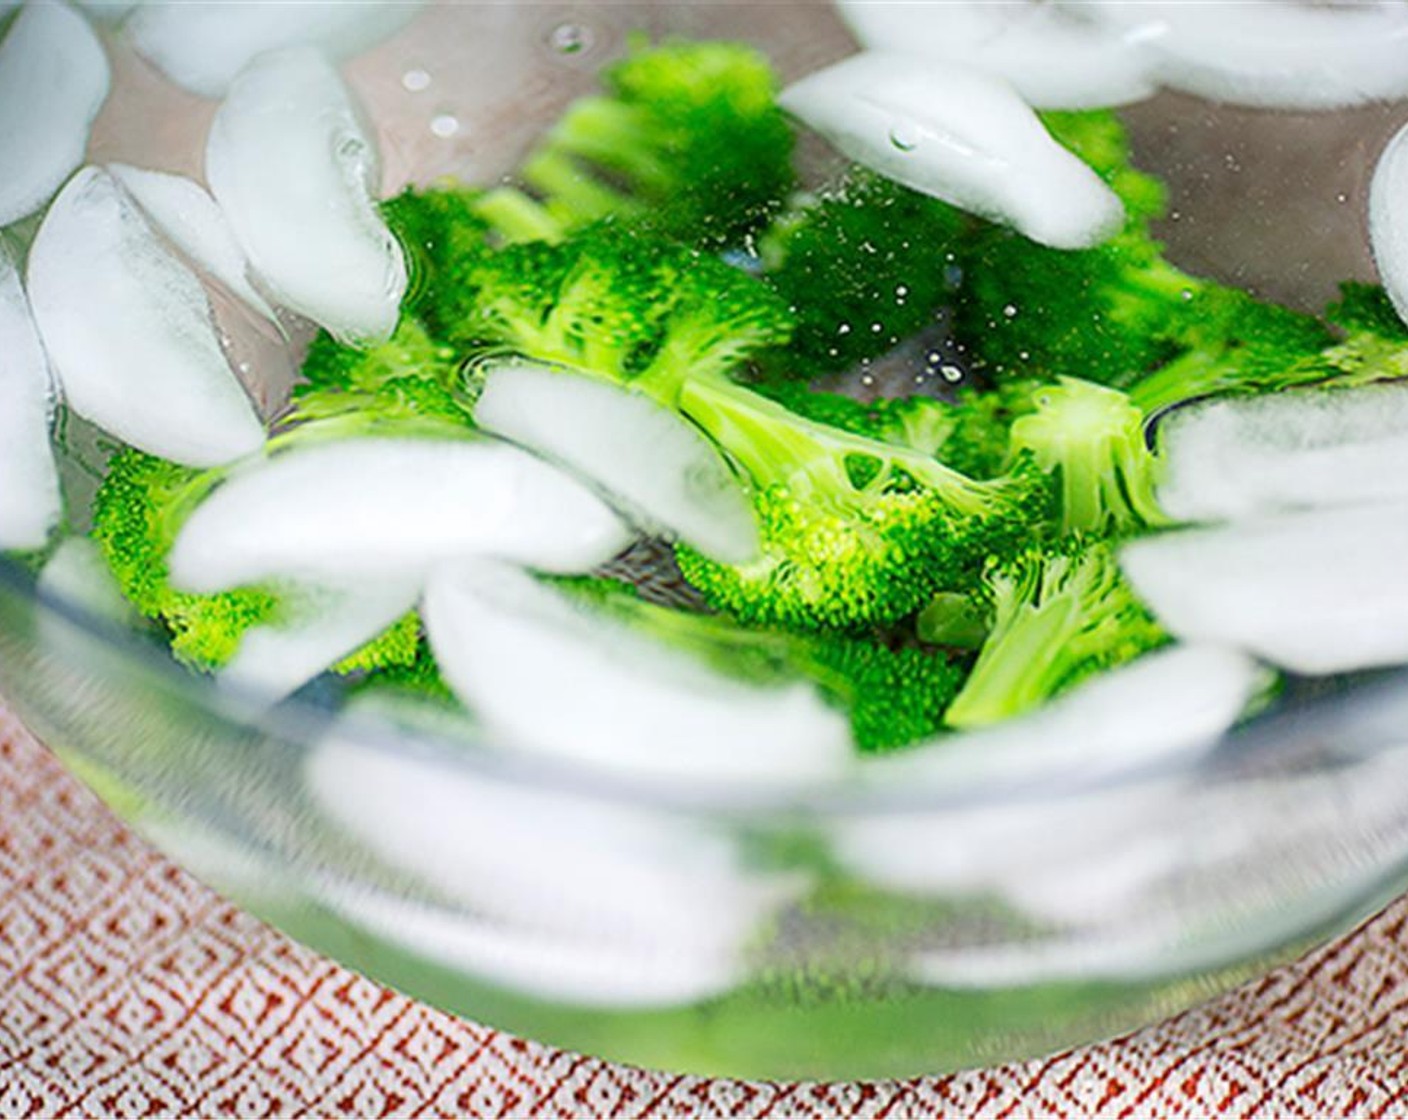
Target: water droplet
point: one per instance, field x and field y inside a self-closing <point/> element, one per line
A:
<point x="243" y="367"/>
<point x="876" y="328"/>
<point x="844" y="328"/>
<point x="1186" y="295"/>
<point x="1174" y="215"/>
<point x="570" y="38"/>
<point x="1010" y="311"/>
<point x="951" y="373"/>
<point x="901" y="292"/>
<point x="1343" y="196"/>
<point x="867" y="379"/>
<point x="904" y="137"/>
<point x="415" y="80"/>
<point x="445" y="125"/>
<point x="1024" y="355"/>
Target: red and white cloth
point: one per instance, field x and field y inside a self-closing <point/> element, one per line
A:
<point x="128" y="989"/>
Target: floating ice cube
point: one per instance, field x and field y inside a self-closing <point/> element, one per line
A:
<point x="619" y="700"/>
<point x="1274" y="53"/>
<point x="1234" y="459"/>
<point x="363" y="509"/>
<point x="54" y="78"/>
<point x="960" y="135"/>
<point x="1388" y="220"/>
<point x="1053" y="59"/>
<point x="295" y="174"/>
<point x="572" y="899"/>
<point x="128" y="328"/>
<point x="1166" y="705"/>
<point x="1323" y="591"/>
<point x="203" y="46"/>
<point x="30" y="504"/>
<point x="109" y="11"/>
<point x="182" y="210"/>
<point x="665" y="472"/>
<point x="324" y="625"/>
<point x="78" y="574"/>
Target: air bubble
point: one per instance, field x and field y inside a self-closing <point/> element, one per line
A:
<point x="445" y="125"/>
<point x="904" y="138"/>
<point x="844" y="328"/>
<point x="570" y="38"/>
<point x="950" y="373"/>
<point x="1010" y="311"/>
<point x="416" y="80"/>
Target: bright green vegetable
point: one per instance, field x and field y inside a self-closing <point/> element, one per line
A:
<point x="687" y="142"/>
<point x="1058" y="616"/>
<point x="864" y="265"/>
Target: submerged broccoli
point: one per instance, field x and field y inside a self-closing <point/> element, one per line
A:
<point x="440" y="229"/>
<point x="137" y="512"/>
<point x="410" y="376"/>
<point x="856" y="532"/>
<point x="688" y="142"/>
<point x="1117" y="313"/>
<point x="1058" y="616"/>
<point x="1091" y="439"/>
<point x="864" y="265"/>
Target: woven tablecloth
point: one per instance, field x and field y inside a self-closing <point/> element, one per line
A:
<point x="127" y="988"/>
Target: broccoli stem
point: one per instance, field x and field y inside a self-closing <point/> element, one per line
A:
<point x="516" y="217"/>
<point x="611" y="133"/>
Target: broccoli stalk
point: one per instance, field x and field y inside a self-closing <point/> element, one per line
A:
<point x="856" y="532"/>
<point x="1091" y="439"/>
<point x="1058" y="616"/>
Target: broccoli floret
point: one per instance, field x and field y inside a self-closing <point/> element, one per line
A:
<point x="137" y="512"/>
<point x="688" y="142"/>
<point x="412" y="671"/>
<point x="1091" y="440"/>
<point x="1058" y="615"/>
<point x="856" y="532"/>
<point x="895" y="696"/>
<point x="1367" y="309"/>
<point x="409" y="376"/>
<point x="637" y="310"/>
<point x="442" y="231"/>
<point x="864" y="265"/>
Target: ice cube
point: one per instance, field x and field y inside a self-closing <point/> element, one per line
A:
<point x="54" y="78"/>
<point x="1279" y="54"/>
<point x="1321" y="591"/>
<point x="296" y="174"/>
<point x="182" y="210"/>
<point x="320" y="625"/>
<point x="962" y="136"/>
<point x="1053" y="59"/>
<point x="1239" y="458"/>
<point x="664" y="471"/>
<point x="1388" y="220"/>
<point x="548" y="891"/>
<point x="372" y="508"/>
<point x="128" y="328"/>
<point x="203" y="46"/>
<point x="30" y="504"/>
<point x="618" y="700"/>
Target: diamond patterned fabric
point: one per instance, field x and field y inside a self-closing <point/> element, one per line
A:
<point x="128" y="989"/>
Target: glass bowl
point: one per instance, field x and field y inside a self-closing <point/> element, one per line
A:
<point x="923" y="920"/>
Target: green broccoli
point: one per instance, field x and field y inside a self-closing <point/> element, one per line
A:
<point x="636" y="311"/>
<point x="1058" y="615"/>
<point x="687" y="142"/>
<point x="440" y="229"/>
<point x="1091" y="439"/>
<point x="137" y="512"/>
<point x="1119" y="312"/>
<point x="856" y="532"/>
<point x="408" y="377"/>
<point x="864" y="265"/>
